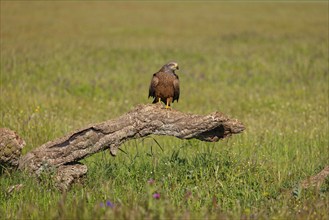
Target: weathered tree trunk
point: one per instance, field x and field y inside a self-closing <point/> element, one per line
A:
<point x="11" y="146"/>
<point x="64" y="153"/>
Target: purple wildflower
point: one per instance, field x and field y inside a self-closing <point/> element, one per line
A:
<point x="156" y="195"/>
<point x="151" y="181"/>
<point x="109" y="204"/>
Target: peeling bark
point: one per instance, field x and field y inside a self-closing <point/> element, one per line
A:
<point x="68" y="174"/>
<point x="11" y="146"/>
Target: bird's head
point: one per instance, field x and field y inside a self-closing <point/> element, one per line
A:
<point x="172" y="66"/>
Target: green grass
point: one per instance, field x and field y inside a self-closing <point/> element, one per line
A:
<point x="67" y="64"/>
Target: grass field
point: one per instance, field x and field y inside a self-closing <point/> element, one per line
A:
<point x="67" y="64"/>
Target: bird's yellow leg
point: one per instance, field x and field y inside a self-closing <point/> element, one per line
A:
<point x="159" y="100"/>
<point x="167" y="106"/>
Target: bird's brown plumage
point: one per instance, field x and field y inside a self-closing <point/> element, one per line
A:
<point x="165" y="84"/>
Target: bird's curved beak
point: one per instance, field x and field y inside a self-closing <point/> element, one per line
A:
<point x="177" y="67"/>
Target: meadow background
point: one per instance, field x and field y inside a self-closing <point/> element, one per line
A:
<point x="67" y="64"/>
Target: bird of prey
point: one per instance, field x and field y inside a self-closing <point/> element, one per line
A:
<point x="165" y="84"/>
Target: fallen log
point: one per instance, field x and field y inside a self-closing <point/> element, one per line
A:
<point x="64" y="154"/>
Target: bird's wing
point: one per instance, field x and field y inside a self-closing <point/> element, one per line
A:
<point x="176" y="88"/>
<point x="154" y="83"/>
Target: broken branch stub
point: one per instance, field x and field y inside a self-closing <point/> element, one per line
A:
<point x="11" y="146"/>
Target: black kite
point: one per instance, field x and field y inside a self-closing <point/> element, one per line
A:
<point x="165" y="85"/>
